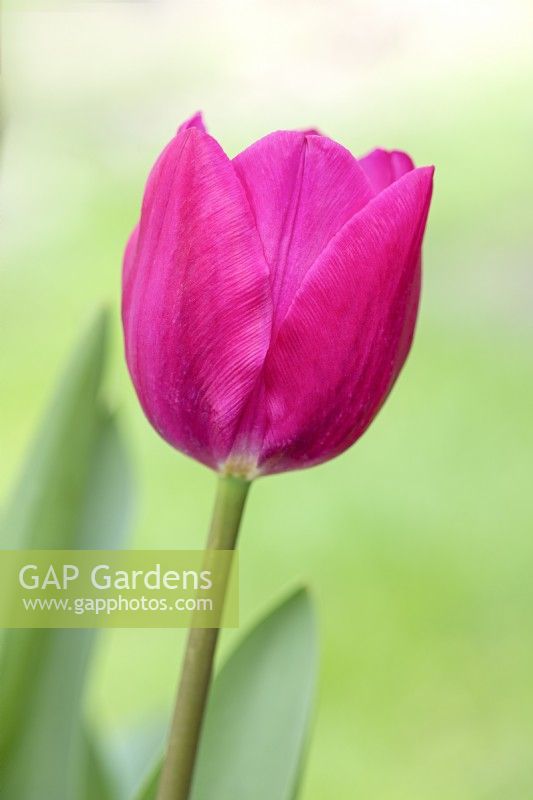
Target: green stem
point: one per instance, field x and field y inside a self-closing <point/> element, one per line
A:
<point x="185" y="730"/>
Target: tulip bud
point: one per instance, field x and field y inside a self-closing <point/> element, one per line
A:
<point x="269" y="301"/>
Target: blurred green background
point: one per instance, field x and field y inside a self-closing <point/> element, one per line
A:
<point x="418" y="543"/>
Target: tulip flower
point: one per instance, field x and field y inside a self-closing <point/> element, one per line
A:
<point x="269" y="304"/>
<point x="270" y="300"/>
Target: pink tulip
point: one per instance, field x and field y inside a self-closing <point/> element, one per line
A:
<point x="269" y="301"/>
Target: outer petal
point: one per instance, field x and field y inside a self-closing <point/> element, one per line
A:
<point x="128" y="272"/>
<point x="347" y="332"/>
<point x="197" y="310"/>
<point x="302" y="190"/>
<point x="383" y="167"/>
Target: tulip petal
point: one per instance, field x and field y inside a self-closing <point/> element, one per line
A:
<point x="196" y="121"/>
<point x="128" y="271"/>
<point x="302" y="190"/>
<point x="197" y="310"/>
<point x="348" y="330"/>
<point x="383" y="167"/>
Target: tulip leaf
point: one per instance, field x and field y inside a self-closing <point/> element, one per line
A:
<point x="148" y="790"/>
<point x="133" y="751"/>
<point x="256" y="725"/>
<point x="97" y="782"/>
<point x="44" y="509"/>
<point x="74" y="493"/>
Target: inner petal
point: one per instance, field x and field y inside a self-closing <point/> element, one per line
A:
<point x="383" y="167"/>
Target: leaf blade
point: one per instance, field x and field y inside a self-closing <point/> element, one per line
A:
<point x="262" y="694"/>
<point x="256" y="725"/>
<point x="75" y="476"/>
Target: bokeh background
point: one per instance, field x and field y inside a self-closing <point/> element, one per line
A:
<point x="418" y="543"/>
